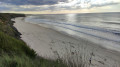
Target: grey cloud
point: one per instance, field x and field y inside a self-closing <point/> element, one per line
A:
<point x="100" y="5"/>
<point x="32" y="2"/>
<point x="56" y="7"/>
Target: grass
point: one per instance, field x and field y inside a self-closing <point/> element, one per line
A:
<point x="11" y="45"/>
<point x="24" y="61"/>
<point x="6" y="28"/>
<point x="15" y="53"/>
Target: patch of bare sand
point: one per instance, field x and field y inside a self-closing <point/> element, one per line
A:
<point x="52" y="44"/>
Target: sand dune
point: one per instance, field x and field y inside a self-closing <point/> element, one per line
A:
<point x="52" y="45"/>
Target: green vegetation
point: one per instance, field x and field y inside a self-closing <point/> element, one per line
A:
<point x="24" y="61"/>
<point x="15" y="53"/>
<point x="7" y="29"/>
<point x="11" y="45"/>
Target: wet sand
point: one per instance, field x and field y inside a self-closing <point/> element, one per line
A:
<point x="51" y="44"/>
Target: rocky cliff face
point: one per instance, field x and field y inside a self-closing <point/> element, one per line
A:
<point x="6" y="25"/>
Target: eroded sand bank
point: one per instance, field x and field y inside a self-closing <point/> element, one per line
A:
<point x="52" y="44"/>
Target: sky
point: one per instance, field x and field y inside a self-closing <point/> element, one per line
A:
<point x="58" y="6"/>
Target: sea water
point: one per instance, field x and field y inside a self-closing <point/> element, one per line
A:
<point x="100" y="28"/>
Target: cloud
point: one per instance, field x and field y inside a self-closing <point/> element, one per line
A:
<point x="87" y="3"/>
<point x="58" y="5"/>
<point x="32" y="2"/>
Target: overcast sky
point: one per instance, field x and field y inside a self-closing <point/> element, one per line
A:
<point x="59" y="6"/>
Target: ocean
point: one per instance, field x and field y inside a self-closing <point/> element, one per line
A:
<point x="100" y="28"/>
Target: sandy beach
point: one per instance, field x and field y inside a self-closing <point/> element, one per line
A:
<point x="51" y="44"/>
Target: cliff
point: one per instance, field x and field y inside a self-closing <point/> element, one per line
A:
<point x="7" y="24"/>
<point x="16" y="53"/>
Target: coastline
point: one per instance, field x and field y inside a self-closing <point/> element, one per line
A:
<point x="52" y="45"/>
<point x="15" y="52"/>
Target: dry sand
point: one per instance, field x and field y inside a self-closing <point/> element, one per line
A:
<point x="52" y="44"/>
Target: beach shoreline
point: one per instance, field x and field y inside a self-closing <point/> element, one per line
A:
<point x="52" y="45"/>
